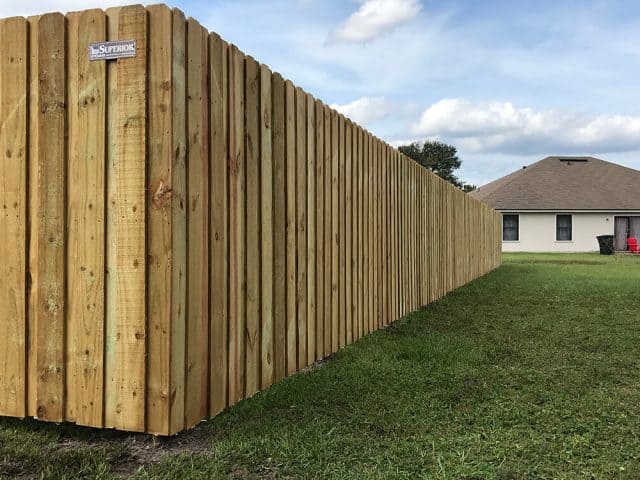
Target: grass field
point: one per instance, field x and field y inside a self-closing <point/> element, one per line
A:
<point x="530" y="372"/>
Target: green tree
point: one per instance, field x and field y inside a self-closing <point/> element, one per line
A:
<point x="439" y="157"/>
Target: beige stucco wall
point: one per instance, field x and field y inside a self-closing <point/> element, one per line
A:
<point x="538" y="232"/>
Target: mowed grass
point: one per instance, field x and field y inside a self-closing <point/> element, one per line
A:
<point x="532" y="371"/>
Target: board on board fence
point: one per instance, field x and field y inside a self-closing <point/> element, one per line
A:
<point x="184" y="227"/>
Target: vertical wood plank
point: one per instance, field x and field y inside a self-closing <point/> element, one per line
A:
<point x="237" y="227"/>
<point x="291" y="231"/>
<point x="301" y="224"/>
<point x="311" y="230"/>
<point x="342" y="288"/>
<point x="366" y="229"/>
<point x="111" y="276"/>
<point x="348" y="237"/>
<point x="49" y="268"/>
<point x="279" y="230"/>
<point x="219" y="131"/>
<point x="266" y="227"/>
<point x="377" y="229"/>
<point x="356" y="231"/>
<point x="320" y="204"/>
<point x="86" y="221"/>
<point x="130" y="256"/>
<point x="159" y="218"/>
<point x="385" y="235"/>
<point x="360" y="242"/>
<point x="328" y="232"/>
<point x="252" y="149"/>
<point x="372" y="233"/>
<point x="32" y="216"/>
<point x="179" y="223"/>
<point x="335" y="246"/>
<point x="197" y="380"/>
<point x="13" y="219"/>
<point x="166" y="192"/>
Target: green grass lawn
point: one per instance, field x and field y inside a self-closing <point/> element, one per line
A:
<point x="532" y="371"/>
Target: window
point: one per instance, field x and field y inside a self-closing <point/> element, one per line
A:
<point x="563" y="228"/>
<point x="510" y="228"/>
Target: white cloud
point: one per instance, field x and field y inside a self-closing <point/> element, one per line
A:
<point x="374" y="18"/>
<point x="365" y="110"/>
<point x="503" y="127"/>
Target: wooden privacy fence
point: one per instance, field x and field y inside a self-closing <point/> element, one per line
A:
<point x="181" y="229"/>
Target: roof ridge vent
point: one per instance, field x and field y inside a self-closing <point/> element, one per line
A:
<point x="570" y="160"/>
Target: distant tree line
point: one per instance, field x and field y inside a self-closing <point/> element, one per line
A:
<point x="441" y="158"/>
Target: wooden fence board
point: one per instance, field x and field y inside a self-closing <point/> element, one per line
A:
<point x="237" y="227"/>
<point x="342" y="237"/>
<point x="292" y="313"/>
<point x="328" y="232"/>
<point x="279" y="231"/>
<point x="159" y="219"/>
<point x="348" y="233"/>
<point x="320" y="204"/>
<point x="48" y="272"/>
<point x="111" y="276"/>
<point x="266" y="228"/>
<point x="311" y="229"/>
<point x="176" y="396"/>
<point x="13" y="220"/>
<point x="130" y="255"/>
<point x="219" y="181"/>
<point x="335" y="246"/>
<point x="197" y="375"/>
<point x="301" y="224"/>
<point x="252" y="151"/>
<point x="85" y="220"/>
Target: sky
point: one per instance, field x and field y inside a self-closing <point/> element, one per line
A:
<point x="507" y="82"/>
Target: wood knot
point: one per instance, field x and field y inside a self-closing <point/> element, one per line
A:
<point x="162" y="195"/>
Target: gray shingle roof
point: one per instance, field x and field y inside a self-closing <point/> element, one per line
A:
<point x="565" y="183"/>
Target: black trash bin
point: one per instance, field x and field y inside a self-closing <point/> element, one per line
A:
<point x="606" y="244"/>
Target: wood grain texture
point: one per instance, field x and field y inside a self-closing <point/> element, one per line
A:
<point x="252" y="152"/>
<point x="279" y="230"/>
<point x="219" y="180"/>
<point x="335" y="239"/>
<point x="130" y="232"/>
<point x="86" y="220"/>
<point x="49" y="269"/>
<point x="111" y="272"/>
<point x="348" y="233"/>
<point x="320" y="205"/>
<point x="266" y="229"/>
<point x="237" y="227"/>
<point x="291" y="231"/>
<point x="301" y="224"/>
<point x="328" y="232"/>
<point x="197" y="376"/>
<point x="311" y="230"/>
<point x="14" y="61"/>
<point x="342" y="236"/>
<point x="179" y="224"/>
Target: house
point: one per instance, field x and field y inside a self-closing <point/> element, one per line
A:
<point x="561" y="204"/>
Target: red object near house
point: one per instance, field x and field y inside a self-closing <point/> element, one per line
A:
<point x="632" y="242"/>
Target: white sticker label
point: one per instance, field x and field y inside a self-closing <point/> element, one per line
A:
<point x="112" y="50"/>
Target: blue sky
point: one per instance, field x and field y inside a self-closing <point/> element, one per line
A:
<point x="507" y="82"/>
